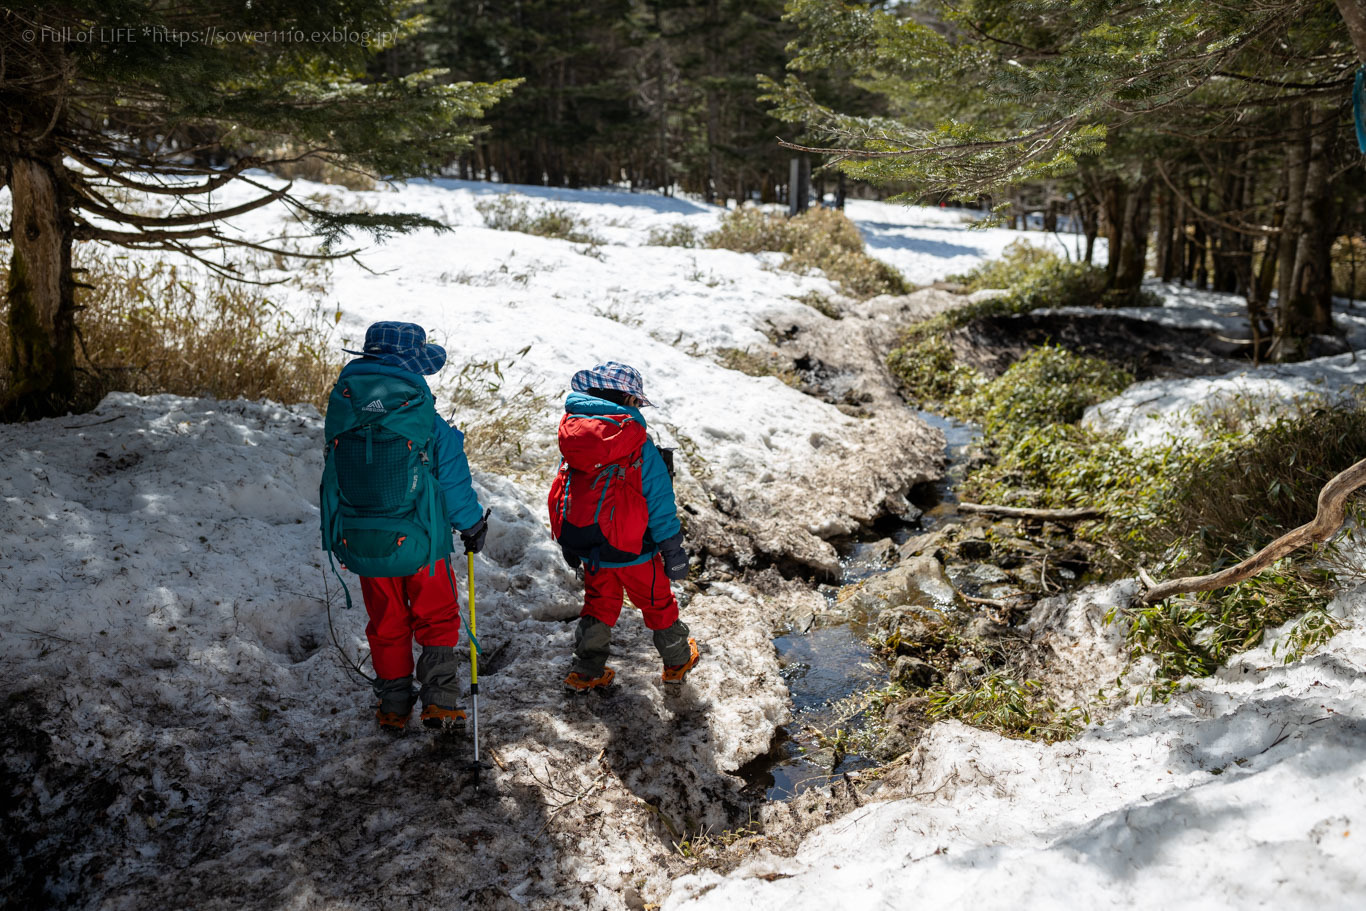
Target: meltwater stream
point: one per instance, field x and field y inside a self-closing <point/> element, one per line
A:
<point x="830" y="661"/>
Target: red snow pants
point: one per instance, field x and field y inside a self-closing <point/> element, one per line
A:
<point x="646" y="585"/>
<point x="420" y="606"/>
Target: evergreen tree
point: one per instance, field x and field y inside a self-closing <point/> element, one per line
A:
<point x="176" y="99"/>
<point x="987" y="94"/>
<point x="655" y="93"/>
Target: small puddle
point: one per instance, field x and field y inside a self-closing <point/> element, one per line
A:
<point x="831" y="662"/>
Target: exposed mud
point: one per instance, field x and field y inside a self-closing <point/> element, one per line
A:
<point x="1145" y="349"/>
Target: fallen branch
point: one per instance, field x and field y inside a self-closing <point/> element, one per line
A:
<point x="1332" y="512"/>
<point x="1048" y="515"/>
<point x="1001" y="603"/>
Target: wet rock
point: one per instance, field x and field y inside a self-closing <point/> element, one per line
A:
<point x="918" y="582"/>
<point x="974" y="549"/>
<point x="912" y="708"/>
<point x="910" y="671"/>
<point x="978" y="578"/>
<point x="908" y="627"/>
<point x="905" y="722"/>
<point x="931" y="542"/>
<point x="985" y="628"/>
<point x="882" y="550"/>
<point x="803" y="607"/>
<point x="965" y="673"/>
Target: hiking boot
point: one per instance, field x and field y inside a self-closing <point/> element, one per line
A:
<point x="441" y="718"/>
<point x="675" y="673"/>
<point x="582" y="683"/>
<point x="393" y="722"/>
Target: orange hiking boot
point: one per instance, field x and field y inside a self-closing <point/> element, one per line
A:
<point x="577" y="681"/>
<point x="438" y="717"/>
<point x="675" y="673"/>
<point x="393" y="722"/>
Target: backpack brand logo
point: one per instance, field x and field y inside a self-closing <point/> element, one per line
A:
<point x="375" y="406"/>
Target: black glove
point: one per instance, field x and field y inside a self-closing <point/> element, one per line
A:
<point x="675" y="558"/>
<point x="573" y="561"/>
<point x="473" y="537"/>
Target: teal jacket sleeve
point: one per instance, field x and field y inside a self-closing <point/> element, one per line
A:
<point x="453" y="471"/>
<point x="659" y="495"/>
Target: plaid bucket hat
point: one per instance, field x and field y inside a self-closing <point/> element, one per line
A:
<point x="402" y="345"/>
<point x="611" y="375"/>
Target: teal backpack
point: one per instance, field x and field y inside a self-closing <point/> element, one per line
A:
<point x="381" y="505"/>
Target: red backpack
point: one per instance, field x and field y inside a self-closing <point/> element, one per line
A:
<point x="597" y="502"/>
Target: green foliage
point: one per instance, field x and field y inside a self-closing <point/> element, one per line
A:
<point x="929" y="372"/>
<point x="1015" y="708"/>
<point x="1037" y="278"/>
<point x="1017" y="260"/>
<point x="1249" y="475"/>
<point x="750" y="229"/>
<point x="510" y="212"/>
<point x="1033" y="278"/>
<point x="980" y="94"/>
<point x="823" y="239"/>
<point x="1205" y="503"/>
<point x="1050" y="385"/>
<point x="1249" y="483"/>
<point x="1315" y="627"/>
<point x="1063" y="465"/>
<point x="1196" y="634"/>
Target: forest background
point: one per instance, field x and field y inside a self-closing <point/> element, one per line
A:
<point x="1211" y="143"/>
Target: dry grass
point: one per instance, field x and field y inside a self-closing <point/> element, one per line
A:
<point x="823" y="239"/>
<point x="497" y="417"/>
<point x="150" y="327"/>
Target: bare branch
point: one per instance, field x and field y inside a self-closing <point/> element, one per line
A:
<point x="86" y="201"/>
<point x="1253" y="230"/>
<point x="1332" y="512"/>
<point x="1081" y="514"/>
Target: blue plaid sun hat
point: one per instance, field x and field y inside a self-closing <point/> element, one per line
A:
<point x="611" y="375"/>
<point x="402" y="345"/>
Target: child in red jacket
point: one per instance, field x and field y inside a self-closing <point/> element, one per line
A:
<point x="613" y="513"/>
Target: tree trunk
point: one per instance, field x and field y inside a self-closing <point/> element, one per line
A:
<point x="1132" y="259"/>
<point x="1112" y="203"/>
<point x="1354" y="14"/>
<point x="1165" y="266"/>
<point x="1306" y="304"/>
<point x="42" y="307"/>
<point x="1296" y="164"/>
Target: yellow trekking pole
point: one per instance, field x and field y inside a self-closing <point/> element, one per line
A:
<point x="474" y="662"/>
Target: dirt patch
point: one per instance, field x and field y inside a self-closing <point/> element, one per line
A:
<point x="1145" y="349"/>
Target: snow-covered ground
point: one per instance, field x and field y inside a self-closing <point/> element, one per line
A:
<point x="1150" y="412"/>
<point x="171" y="669"/>
<point x="1248" y="791"/>
<point x="167" y="650"/>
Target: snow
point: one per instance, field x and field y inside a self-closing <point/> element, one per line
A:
<point x="1248" y="790"/>
<point x="168" y="650"/>
<point x="1151" y="412"/>
<point x="166" y="637"/>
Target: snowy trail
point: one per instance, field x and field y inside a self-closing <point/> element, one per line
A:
<point x="181" y="733"/>
<point x="176" y="661"/>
